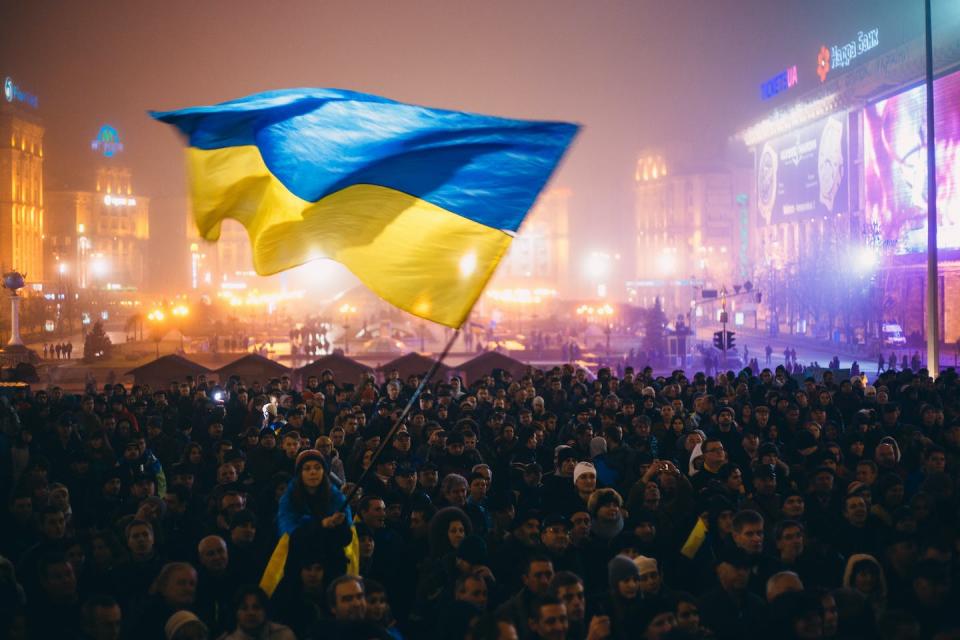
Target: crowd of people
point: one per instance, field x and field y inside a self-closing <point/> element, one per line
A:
<point x="553" y="506"/>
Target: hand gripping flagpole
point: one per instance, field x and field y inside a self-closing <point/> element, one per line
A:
<point x="399" y="421"/>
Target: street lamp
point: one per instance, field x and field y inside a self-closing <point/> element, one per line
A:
<point x="347" y="310"/>
<point x="605" y="313"/>
<point x="181" y="312"/>
<point x="156" y="317"/>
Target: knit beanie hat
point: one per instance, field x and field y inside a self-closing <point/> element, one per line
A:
<point x="582" y="468"/>
<point x="178" y="621"/>
<point x="645" y="564"/>
<point x="563" y="453"/>
<point x="620" y="568"/>
<point x="308" y="455"/>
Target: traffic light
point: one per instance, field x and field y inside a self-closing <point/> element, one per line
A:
<point x="718" y="339"/>
<point x="730" y="341"/>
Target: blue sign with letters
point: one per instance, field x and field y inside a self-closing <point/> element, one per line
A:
<point x="11" y="92"/>
<point x="779" y="83"/>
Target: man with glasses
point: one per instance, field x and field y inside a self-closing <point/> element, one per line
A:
<point x="555" y="538"/>
<point x="714" y="457"/>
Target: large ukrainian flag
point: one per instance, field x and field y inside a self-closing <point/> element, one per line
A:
<point x="419" y="203"/>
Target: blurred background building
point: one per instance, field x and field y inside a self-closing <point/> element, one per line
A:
<point x="97" y="236"/>
<point x="21" y="183"/>
<point x="693" y="226"/>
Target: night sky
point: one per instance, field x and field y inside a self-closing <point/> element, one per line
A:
<point x="634" y="73"/>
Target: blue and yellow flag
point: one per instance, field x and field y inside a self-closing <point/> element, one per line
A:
<point x="421" y="204"/>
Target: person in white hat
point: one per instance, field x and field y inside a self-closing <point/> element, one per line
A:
<point x="185" y="625"/>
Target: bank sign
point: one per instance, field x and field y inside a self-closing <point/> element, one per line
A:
<point x="13" y="93"/>
<point x="840" y="56"/>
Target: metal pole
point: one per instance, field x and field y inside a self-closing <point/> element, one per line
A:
<point x="723" y="320"/>
<point x="933" y="306"/>
<point x="385" y="442"/>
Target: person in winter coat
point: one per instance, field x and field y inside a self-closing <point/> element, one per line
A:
<point x="865" y="575"/>
<point x="312" y="511"/>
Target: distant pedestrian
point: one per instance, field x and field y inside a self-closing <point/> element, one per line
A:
<point x="59" y="349"/>
<point x="769" y="353"/>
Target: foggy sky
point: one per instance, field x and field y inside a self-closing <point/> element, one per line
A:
<point x="634" y="73"/>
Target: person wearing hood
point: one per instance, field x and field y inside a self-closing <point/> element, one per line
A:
<point x="865" y="575"/>
<point x="887" y="456"/>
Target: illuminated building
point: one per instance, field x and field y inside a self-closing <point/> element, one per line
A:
<point x="692" y="227"/>
<point x="21" y="183"/>
<point x="540" y="253"/>
<point x="97" y="238"/>
<point x="224" y="264"/>
<point x="840" y="184"/>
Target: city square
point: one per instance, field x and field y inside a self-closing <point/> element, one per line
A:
<point x="525" y="320"/>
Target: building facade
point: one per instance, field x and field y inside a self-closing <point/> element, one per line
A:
<point x="22" y="208"/>
<point x="222" y="265"/>
<point x="840" y="182"/>
<point x="98" y="237"/>
<point x="693" y="231"/>
<point x="540" y="253"/>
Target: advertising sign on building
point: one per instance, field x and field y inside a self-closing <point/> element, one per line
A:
<point x="895" y="167"/>
<point x="107" y="142"/>
<point x="804" y="174"/>
<point x="13" y="93"/>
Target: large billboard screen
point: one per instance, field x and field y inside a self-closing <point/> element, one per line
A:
<point x="895" y="167"/>
<point x="804" y="174"/>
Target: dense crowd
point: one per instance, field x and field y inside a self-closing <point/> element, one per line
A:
<point x="551" y="506"/>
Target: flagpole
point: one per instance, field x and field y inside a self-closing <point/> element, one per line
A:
<point x="385" y="442"/>
<point x="933" y="278"/>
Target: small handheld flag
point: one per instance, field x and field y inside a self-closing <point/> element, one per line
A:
<point x="420" y="204"/>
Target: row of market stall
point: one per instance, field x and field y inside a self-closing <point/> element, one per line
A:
<point x="255" y="367"/>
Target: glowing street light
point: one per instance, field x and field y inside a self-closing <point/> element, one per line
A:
<point x="865" y="259"/>
<point x="100" y="266"/>
<point x="347" y="310"/>
<point x="667" y="261"/>
<point x="156" y="317"/>
<point x="180" y="312"/>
